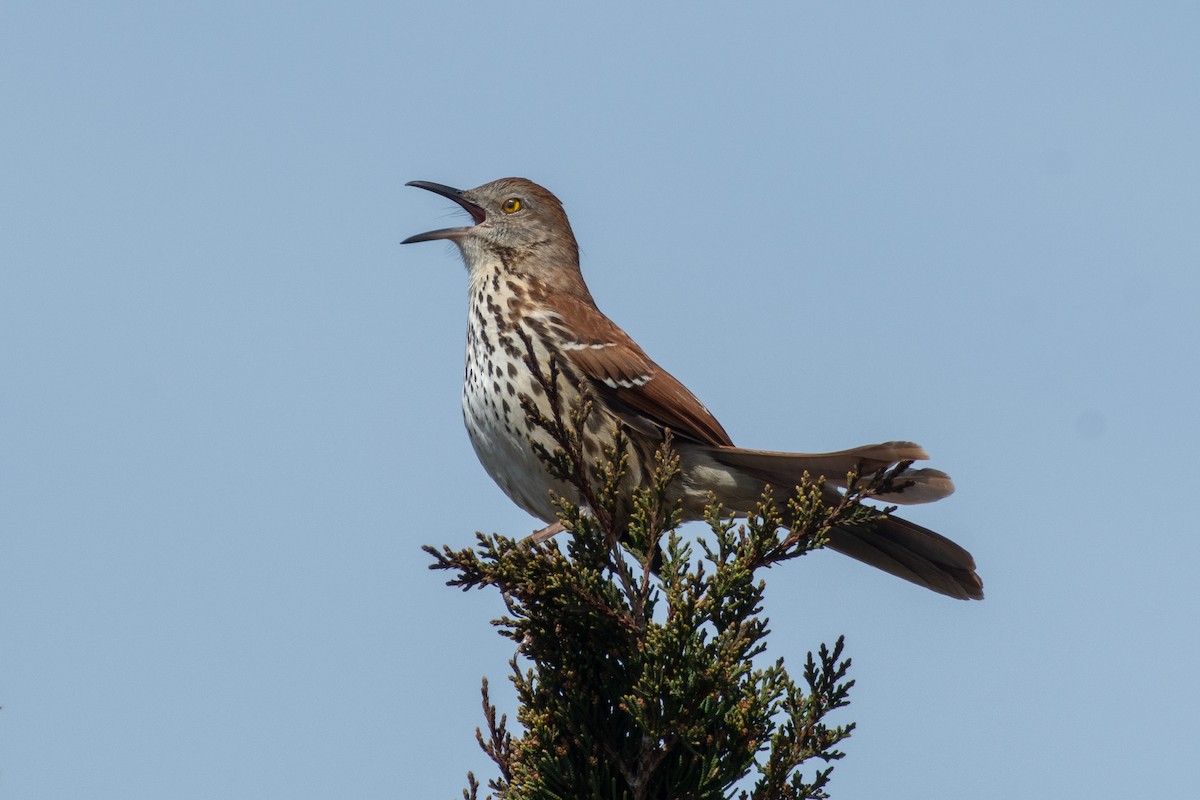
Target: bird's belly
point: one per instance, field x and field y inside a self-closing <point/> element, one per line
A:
<point x="500" y="435"/>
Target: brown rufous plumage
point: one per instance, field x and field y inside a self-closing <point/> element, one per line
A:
<point x="526" y="288"/>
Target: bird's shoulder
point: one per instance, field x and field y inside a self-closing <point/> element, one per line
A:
<point x="630" y="379"/>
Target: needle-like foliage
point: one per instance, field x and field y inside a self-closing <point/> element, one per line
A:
<point x="640" y="664"/>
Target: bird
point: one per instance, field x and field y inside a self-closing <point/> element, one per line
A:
<point x="528" y="305"/>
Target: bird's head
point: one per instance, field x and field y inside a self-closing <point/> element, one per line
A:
<point x="516" y="222"/>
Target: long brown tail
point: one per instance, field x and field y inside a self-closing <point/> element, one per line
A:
<point x="788" y="469"/>
<point x="894" y="545"/>
<point x="916" y="554"/>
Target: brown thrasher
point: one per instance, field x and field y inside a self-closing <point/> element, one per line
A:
<point x="528" y="300"/>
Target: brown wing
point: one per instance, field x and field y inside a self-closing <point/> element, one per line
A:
<point x="629" y="379"/>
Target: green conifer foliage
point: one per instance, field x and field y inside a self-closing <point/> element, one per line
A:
<point x="640" y="666"/>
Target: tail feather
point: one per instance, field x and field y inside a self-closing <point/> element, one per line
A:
<point x="788" y="469"/>
<point x="892" y="544"/>
<point x="916" y="554"/>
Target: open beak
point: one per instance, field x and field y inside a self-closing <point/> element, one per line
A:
<point x="477" y="213"/>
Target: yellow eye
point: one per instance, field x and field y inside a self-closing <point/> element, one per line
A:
<point x="511" y="206"/>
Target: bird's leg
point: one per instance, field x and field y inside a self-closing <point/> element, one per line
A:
<point x="539" y="536"/>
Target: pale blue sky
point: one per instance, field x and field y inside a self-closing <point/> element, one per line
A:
<point x="229" y="399"/>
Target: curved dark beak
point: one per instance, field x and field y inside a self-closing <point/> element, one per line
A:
<point x="477" y="213"/>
